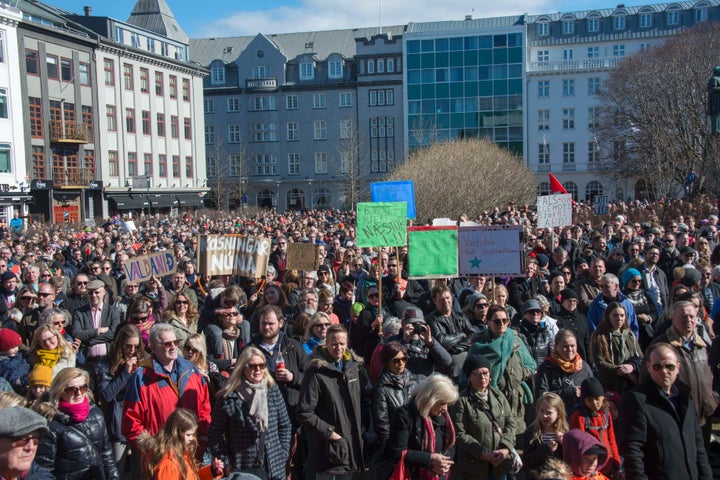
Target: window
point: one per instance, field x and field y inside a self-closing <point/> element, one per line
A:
<point x="174" y="126"/>
<point x="146" y="129"/>
<point x="144" y="80"/>
<point x="109" y="69"/>
<point x="130" y="120"/>
<point x="38" y="161"/>
<point x="187" y="128"/>
<point x="161" y="124"/>
<point x="568" y="27"/>
<point x="645" y="20"/>
<point x="263" y="132"/>
<point x="3" y="103"/>
<point x="644" y="46"/>
<point x="236" y="165"/>
<point x="84" y="70"/>
<point x="568" y="87"/>
<point x="544" y="119"/>
<point x="113" y="169"/>
<point x="51" y="64"/>
<point x="543" y="88"/>
<point x="543" y="28"/>
<point x="234" y="134"/>
<point x="593" y="152"/>
<point x="291" y="102"/>
<point x="382" y="127"/>
<point x="593" y="52"/>
<point x="172" y="85"/>
<point x="593" y="85"/>
<point x="208" y="105"/>
<point x="150" y="44"/>
<point x="321" y="166"/>
<point x="307" y="71"/>
<point x="110" y="117"/>
<point x="618" y="50"/>
<point x="36" y="117"/>
<point x="135" y="39"/>
<point x="568" y="118"/>
<point x="176" y="166"/>
<point x="593" y="117"/>
<point x="265" y="164"/>
<point x="233" y="104"/>
<point x="619" y="22"/>
<point x="186" y="89"/>
<point x="701" y="14"/>
<point x="335" y="69"/>
<point x="132" y="164"/>
<point x="147" y="163"/>
<point x="189" y="167"/>
<point x="673" y="17"/>
<point x="568" y="54"/>
<point x="345" y="99"/>
<point x="593" y="24"/>
<point x="2" y="47"/>
<point x="164" y="49"/>
<point x="293" y="131"/>
<point x="210" y="166"/>
<point x="381" y="97"/>
<point x="5" y="160"/>
<point x="371" y="66"/>
<point x="87" y="119"/>
<point x="543" y="55"/>
<point x="569" y="152"/>
<point x="217" y="75"/>
<point x="381" y="65"/>
<point x="345" y="128"/>
<point x="162" y="165"/>
<point x="345" y="163"/>
<point x="293" y="164"/>
<point x="543" y="153"/>
<point x="390" y="65"/>
<point x="320" y="130"/>
<point x="261" y="71"/>
<point x="66" y="69"/>
<point x="263" y="102"/>
<point x="159" y="89"/>
<point x="128" y="76"/>
<point x="319" y="100"/>
<point x="32" y="65"/>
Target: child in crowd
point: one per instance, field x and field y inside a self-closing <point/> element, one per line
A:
<point x="39" y="382"/>
<point x="612" y="404"/>
<point x="591" y="417"/>
<point x="585" y="455"/>
<point x="544" y="438"/>
<point x="13" y="367"/>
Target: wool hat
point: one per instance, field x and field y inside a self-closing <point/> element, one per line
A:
<point x="19" y="421"/>
<point x="95" y="285"/>
<point x="568" y="293"/>
<point x="686" y="251"/>
<point x="472" y="299"/>
<point x="7" y="276"/>
<point x="531" y="305"/>
<point x="9" y="338"/>
<point x="613" y="396"/>
<point x="41" y="376"/>
<point x="473" y="362"/>
<point x="629" y="274"/>
<point x="413" y="315"/>
<point x="323" y="268"/>
<point x="691" y="278"/>
<point x="542" y="260"/>
<point x="591" y="388"/>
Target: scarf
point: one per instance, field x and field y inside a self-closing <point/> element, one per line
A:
<point x="49" y="358"/>
<point x="568" y="367"/>
<point x="229" y="336"/>
<point x="498" y="351"/>
<point x="77" y="411"/>
<point x="619" y="352"/>
<point x="429" y="444"/>
<point x="255" y="395"/>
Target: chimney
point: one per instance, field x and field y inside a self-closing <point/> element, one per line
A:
<point x="88" y="11"/>
<point x="468" y="17"/>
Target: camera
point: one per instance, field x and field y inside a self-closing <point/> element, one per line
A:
<point x="420" y="329"/>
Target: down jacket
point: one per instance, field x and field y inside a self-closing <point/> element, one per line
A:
<point x="78" y="450"/>
<point x="391" y="392"/>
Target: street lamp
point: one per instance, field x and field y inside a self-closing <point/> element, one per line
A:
<point x="243" y="197"/>
<point x="147" y="185"/>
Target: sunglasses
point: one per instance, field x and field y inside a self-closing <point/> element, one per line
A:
<point x="398" y="361"/>
<point x="44" y="275"/>
<point x="140" y="318"/>
<point x="76" y="390"/>
<point x="170" y="344"/>
<point x="131" y="346"/>
<point x="189" y="349"/>
<point x="81" y="283"/>
<point x="482" y="305"/>
<point x="182" y="302"/>
<point x="499" y="321"/>
<point x="670" y="367"/>
<point x="23" y="441"/>
<point x="322" y="325"/>
<point x="232" y="314"/>
<point x="255" y="366"/>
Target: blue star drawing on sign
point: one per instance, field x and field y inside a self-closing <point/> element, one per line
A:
<point x="475" y="263"/>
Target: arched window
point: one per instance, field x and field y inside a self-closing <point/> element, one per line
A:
<point x="572" y="189"/>
<point x="543" y="188"/>
<point x="295" y="199"/>
<point x="592" y="189"/>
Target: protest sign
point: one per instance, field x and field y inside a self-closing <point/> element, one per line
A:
<point x="302" y="256"/>
<point x="602" y="204"/>
<point x="233" y="255"/>
<point x="381" y="224"/>
<point x="432" y="252"/>
<point x="554" y="210"/>
<point x="491" y="250"/>
<point x="402" y="191"/>
<point x="140" y="269"/>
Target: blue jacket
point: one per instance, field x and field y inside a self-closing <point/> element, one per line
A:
<point x="598" y="307"/>
<point x="15" y="370"/>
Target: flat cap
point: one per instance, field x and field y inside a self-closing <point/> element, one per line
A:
<point x="19" y="421"/>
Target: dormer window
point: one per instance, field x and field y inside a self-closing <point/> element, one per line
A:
<point x="543" y="28"/>
<point x="335" y="69"/>
<point x="217" y="75"/>
<point x="307" y="71"/>
<point x="619" y="22"/>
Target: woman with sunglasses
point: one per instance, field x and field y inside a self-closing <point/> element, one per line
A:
<point x="224" y="338"/>
<point x="50" y="348"/>
<point x="250" y="427"/>
<point x="140" y="315"/>
<point x="182" y="315"/>
<point x="112" y="375"/>
<point x="316" y="332"/>
<point x="645" y="308"/>
<point x="77" y="445"/>
<point x="195" y="351"/>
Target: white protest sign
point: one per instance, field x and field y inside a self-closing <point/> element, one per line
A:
<point x="554" y="210"/>
<point x="490" y="250"/>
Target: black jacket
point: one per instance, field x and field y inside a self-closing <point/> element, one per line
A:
<point x="576" y="322"/>
<point x="110" y="390"/>
<point x="78" y="450"/>
<point x="390" y="393"/>
<point x="454" y="332"/>
<point x="658" y="440"/>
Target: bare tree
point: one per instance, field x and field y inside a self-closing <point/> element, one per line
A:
<point x="225" y="172"/>
<point x="353" y="167"/>
<point x="652" y="124"/>
<point x="465" y="177"/>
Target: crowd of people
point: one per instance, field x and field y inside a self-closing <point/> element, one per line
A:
<point x="601" y="361"/>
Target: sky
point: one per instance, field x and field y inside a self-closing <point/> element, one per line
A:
<point x="229" y="18"/>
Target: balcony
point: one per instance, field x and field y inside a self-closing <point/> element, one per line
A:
<point x="568" y="167"/>
<point x="73" y="177"/>
<point x="261" y="84"/>
<point x="588" y="64"/>
<point x="543" y="168"/>
<point x="68" y="132"/>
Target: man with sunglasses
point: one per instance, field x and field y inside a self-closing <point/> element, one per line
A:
<point x="658" y="428"/>
<point x="21" y="431"/>
<point x="78" y="295"/>
<point x="95" y="324"/>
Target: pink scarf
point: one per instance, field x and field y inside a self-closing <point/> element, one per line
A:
<point x="77" y="411"/>
<point x="428" y="443"/>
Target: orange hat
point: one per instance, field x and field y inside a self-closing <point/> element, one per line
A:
<point x="41" y="376"/>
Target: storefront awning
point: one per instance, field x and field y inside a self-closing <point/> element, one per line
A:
<point x="138" y="201"/>
<point x="10" y="198"/>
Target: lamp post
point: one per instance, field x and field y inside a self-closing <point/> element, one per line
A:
<point x="147" y="185"/>
<point x="243" y="196"/>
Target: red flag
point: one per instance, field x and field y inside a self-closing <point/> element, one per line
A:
<point x="555" y="185"/>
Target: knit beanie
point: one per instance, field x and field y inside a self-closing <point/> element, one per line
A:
<point x="473" y="362"/>
<point x="9" y="338"/>
<point x="629" y="274"/>
<point x="41" y="376"/>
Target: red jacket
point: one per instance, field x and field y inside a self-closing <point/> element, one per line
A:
<point x="600" y="426"/>
<point x="151" y="397"/>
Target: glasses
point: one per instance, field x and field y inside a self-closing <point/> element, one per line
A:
<point x="45" y="341"/>
<point x="358" y="265"/>
<point x="131" y="346"/>
<point x="481" y="373"/>
<point x="373" y="295"/>
<point x="189" y="349"/>
<point x="107" y="269"/>
<point x="635" y="280"/>
<point x="668" y="240"/>
<point x="322" y="325"/>
<point x="59" y="324"/>
<point x="482" y="305"/>
<point x="140" y="318"/>
<point x="76" y="390"/>
<point x="23" y="441"/>
<point x="170" y="343"/>
<point x="398" y="361"/>
<point x="26" y="298"/>
<point x="255" y="366"/>
<point x="96" y="268"/>
<point x="44" y="275"/>
<point x="234" y="313"/>
<point x="392" y="265"/>
<point x="534" y="312"/>
<point x="181" y="302"/>
<point x="670" y="367"/>
<point x="500" y="321"/>
<point x="81" y="283"/>
<point x="323" y="273"/>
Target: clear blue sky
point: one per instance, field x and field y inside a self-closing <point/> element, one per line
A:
<point x="209" y="18"/>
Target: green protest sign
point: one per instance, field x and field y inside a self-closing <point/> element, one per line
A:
<point x="381" y="224"/>
<point x="432" y="252"/>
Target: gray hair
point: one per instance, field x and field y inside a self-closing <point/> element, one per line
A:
<point x="46" y="317"/>
<point x="677" y="306"/>
<point x="437" y="388"/>
<point x="391" y="326"/>
<point x="156" y="330"/>
<point x="611" y="278"/>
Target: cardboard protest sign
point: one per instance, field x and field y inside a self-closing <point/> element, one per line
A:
<point x="140" y="269"/>
<point x="381" y="224"/>
<point x="602" y="204"/>
<point x="432" y="252"/>
<point x="233" y="255"/>
<point x="303" y="256"/>
<point x="402" y="191"/>
<point x="491" y="250"/>
<point x="554" y="210"/>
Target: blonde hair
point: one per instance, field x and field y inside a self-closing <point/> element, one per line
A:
<point x="66" y="350"/>
<point x="11" y="399"/>
<point x="554" y="401"/>
<point x="197" y="341"/>
<point x="236" y="378"/>
<point x="61" y="380"/>
<point x="437" y="388"/>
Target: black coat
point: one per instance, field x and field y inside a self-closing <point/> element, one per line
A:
<point x="110" y="390"/>
<point x="576" y="322"/>
<point x="78" y="450"/>
<point x="658" y="441"/>
<point x="551" y="378"/>
<point x="390" y="393"/>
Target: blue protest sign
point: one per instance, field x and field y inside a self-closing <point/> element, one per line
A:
<point x="401" y="191"/>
